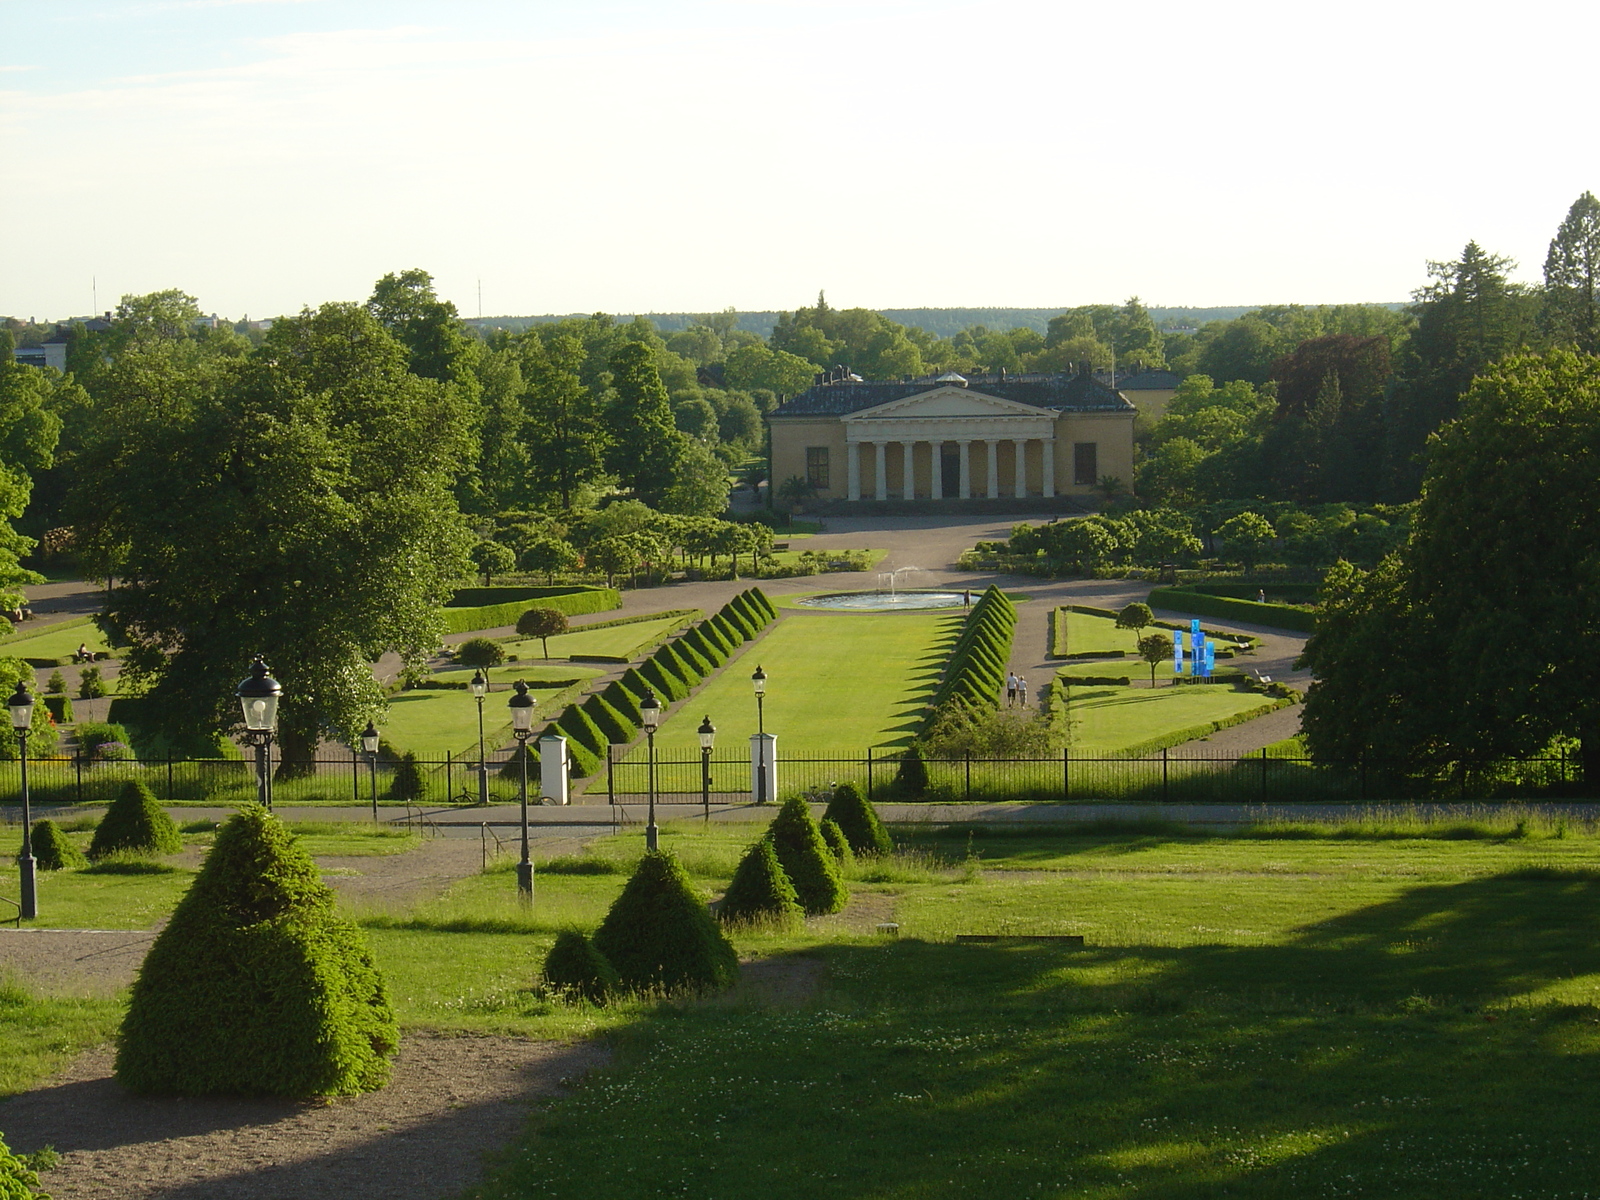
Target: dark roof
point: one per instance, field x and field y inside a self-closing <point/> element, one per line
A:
<point x="1067" y="393"/>
<point x="1150" y="381"/>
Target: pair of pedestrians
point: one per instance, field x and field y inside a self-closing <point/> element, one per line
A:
<point x="1016" y="689"/>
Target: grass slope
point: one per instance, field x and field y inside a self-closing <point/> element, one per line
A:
<point x="1109" y="719"/>
<point x="614" y="639"/>
<point x="55" y="645"/>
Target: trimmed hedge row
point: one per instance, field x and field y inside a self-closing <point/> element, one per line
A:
<point x="572" y="602"/>
<point x="611" y="717"/>
<point x="1278" y="616"/>
<point x="976" y="670"/>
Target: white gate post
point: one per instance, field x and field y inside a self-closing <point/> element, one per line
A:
<point x="553" y="768"/>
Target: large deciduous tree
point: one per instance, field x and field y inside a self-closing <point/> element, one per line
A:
<point x="299" y="507"/>
<point x="645" y="443"/>
<point x="1482" y="639"/>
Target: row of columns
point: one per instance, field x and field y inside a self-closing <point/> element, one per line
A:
<point x="880" y="474"/>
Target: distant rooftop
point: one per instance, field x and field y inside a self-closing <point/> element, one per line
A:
<point x="1064" y="393"/>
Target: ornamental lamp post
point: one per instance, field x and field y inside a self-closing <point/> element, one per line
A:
<point x="650" y="713"/>
<point x="521" y="728"/>
<point x="21" y="706"/>
<point x="708" y="737"/>
<point x="369" y="743"/>
<point x="259" y="696"/>
<point x="759" y="680"/>
<point x="479" y="687"/>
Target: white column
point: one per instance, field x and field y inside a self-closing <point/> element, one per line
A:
<point x="553" y="769"/>
<point x="881" y="465"/>
<point x="1048" y="476"/>
<point x="1019" y="467"/>
<point x="908" y="471"/>
<point x="852" y="453"/>
<point x="966" y="469"/>
<point x="994" y="469"/>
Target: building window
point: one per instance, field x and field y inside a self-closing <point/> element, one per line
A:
<point x="1085" y="467"/>
<point x="817" y="467"/>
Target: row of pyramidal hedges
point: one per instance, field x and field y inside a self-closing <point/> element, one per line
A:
<point x="611" y="716"/>
<point x="975" y="673"/>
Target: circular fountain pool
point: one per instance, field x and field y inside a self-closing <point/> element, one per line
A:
<point x="884" y="601"/>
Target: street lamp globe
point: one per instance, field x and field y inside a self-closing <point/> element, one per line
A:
<point x="21" y="706"/>
<point x="759" y="679"/>
<point x="479" y="686"/>
<point x="521" y="709"/>
<point x="369" y="738"/>
<point x="708" y="733"/>
<point x="258" y="696"/>
<point x="650" y="710"/>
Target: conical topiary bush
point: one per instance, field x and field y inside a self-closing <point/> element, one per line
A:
<point x="806" y="859"/>
<point x="576" y="969"/>
<point x="52" y="849"/>
<point x="911" y="779"/>
<point x="835" y="840"/>
<point x="760" y="892"/>
<point x="858" y="820"/>
<point x="659" y="933"/>
<point x="255" y="987"/>
<point x="135" y="824"/>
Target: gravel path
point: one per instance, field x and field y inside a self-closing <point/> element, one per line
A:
<point x="453" y="1100"/>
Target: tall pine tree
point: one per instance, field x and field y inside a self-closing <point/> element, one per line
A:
<point x="645" y="441"/>
<point x="1571" y="315"/>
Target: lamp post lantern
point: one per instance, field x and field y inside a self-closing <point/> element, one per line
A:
<point x="650" y="711"/>
<point x="259" y="696"/>
<point x="369" y="743"/>
<point x="759" y="680"/>
<point x="521" y="728"/>
<point x="479" y="687"/>
<point x="708" y="737"/>
<point x="21" y="706"/>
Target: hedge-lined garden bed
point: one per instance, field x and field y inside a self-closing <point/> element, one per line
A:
<point x="1229" y="608"/>
<point x="489" y="608"/>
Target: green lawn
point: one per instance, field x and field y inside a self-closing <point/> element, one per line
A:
<point x="1391" y="1008"/>
<point x="538" y="674"/>
<point x="836" y="684"/>
<point x="614" y="639"/>
<point x="57" y="644"/>
<point x="432" y="724"/>
<point x="1109" y="719"/>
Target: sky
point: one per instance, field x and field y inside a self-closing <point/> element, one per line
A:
<point x="694" y="155"/>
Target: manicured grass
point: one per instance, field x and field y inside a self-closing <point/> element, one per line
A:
<point x="614" y="639"/>
<point x="41" y="1034"/>
<point x="538" y="674"/>
<point x="55" y="645"/>
<point x="1089" y="634"/>
<point x="836" y="683"/>
<point x="1107" y="720"/>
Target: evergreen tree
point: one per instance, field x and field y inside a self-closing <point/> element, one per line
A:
<point x="565" y="438"/>
<point x="645" y="442"/>
<point x="575" y="968"/>
<point x="1571" y="315"/>
<point x="760" y="891"/>
<point x="806" y="859"/>
<point x="855" y="815"/>
<point x="659" y="933"/>
<point x="135" y="823"/>
<point x="52" y="849"/>
<point x="255" y="987"/>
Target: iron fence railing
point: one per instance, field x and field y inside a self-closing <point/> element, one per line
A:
<point x="1165" y="777"/>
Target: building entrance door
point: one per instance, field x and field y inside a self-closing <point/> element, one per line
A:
<point x="949" y="471"/>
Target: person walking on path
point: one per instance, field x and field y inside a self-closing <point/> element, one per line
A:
<point x="1011" y="688"/>
<point x="1022" y="690"/>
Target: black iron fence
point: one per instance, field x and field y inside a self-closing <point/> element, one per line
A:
<point x="1167" y="777"/>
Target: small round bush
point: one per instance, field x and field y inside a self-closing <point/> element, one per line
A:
<point x="480" y="652"/>
<point x="659" y="934"/>
<point x="760" y="892"/>
<point x="858" y="820"/>
<point x="255" y="987"/>
<point x="52" y="850"/>
<point x="135" y="823"/>
<point x="574" y="968"/>
<point x="806" y="859"/>
<point x="911" y="779"/>
<point x="408" y="783"/>
<point x="836" y="841"/>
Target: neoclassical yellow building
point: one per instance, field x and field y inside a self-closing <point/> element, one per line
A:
<point x="1002" y="438"/>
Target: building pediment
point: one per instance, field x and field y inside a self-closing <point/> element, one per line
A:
<point x="946" y="403"/>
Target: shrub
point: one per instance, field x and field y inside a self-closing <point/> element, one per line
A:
<point x="674" y="660"/>
<point x="60" y="708"/>
<point x="760" y="891"/>
<point x="480" y="652"/>
<point x="255" y="987"/>
<point x="17" y="1179"/>
<point x="710" y="652"/>
<point x="52" y="850"/>
<point x="691" y="657"/>
<point x="575" y="969"/>
<point x="806" y="858"/>
<point x="1277" y="616"/>
<point x="836" y="841"/>
<point x="912" y="777"/>
<point x="659" y="934"/>
<point x="512" y="768"/>
<point x="858" y="821"/>
<point x="135" y="822"/>
<point x="613" y="726"/>
<point x="90" y="685"/>
<point x="728" y="630"/>
<point x="408" y="783"/>
<point x="57" y="683"/>
<point x="577" y="726"/>
<point x="624" y="702"/>
<point x="665" y="683"/>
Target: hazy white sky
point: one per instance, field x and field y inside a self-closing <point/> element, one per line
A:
<point x="669" y="155"/>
